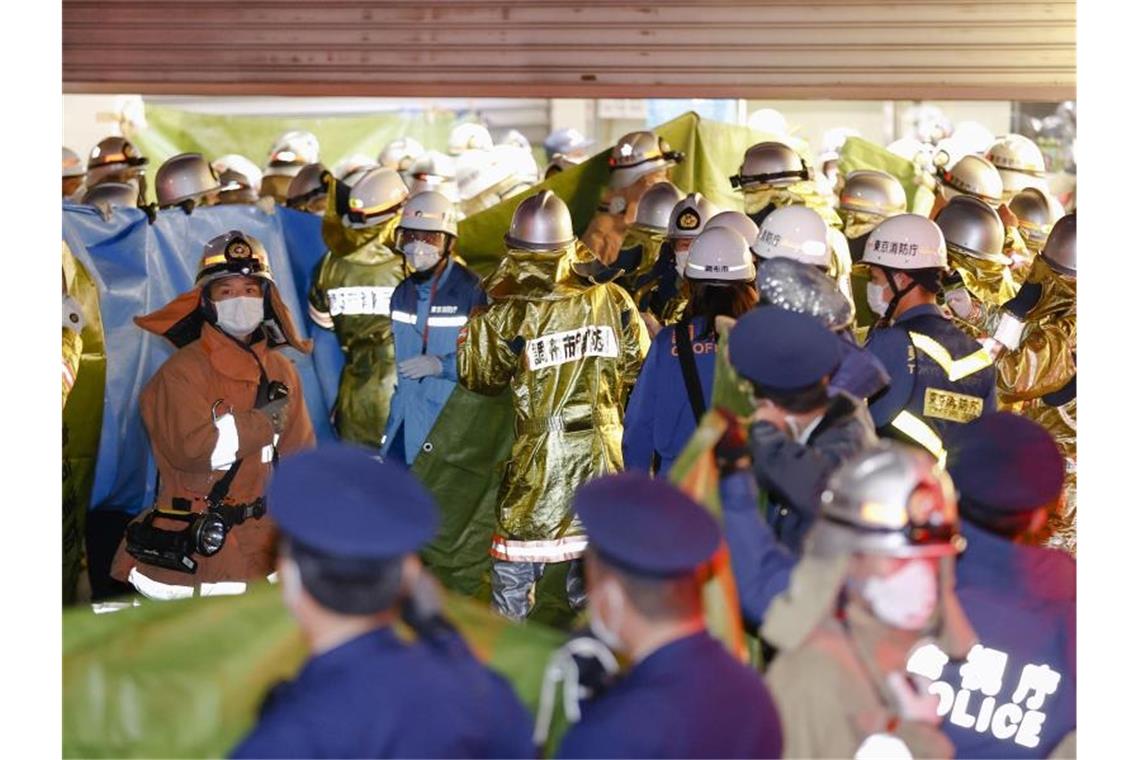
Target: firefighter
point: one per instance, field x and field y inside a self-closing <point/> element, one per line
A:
<point x="73" y="175"/>
<point x="307" y="191"/>
<point x="800" y="233"/>
<point x="569" y="351"/>
<point x="235" y="169"/>
<point x="219" y="413"/>
<point x="291" y="152"/>
<point x="352" y="292"/>
<point x="979" y="280"/>
<point x="1037" y="357"/>
<point x="116" y="159"/>
<point x="661" y="296"/>
<point x="429" y="308"/>
<point x="187" y="181"/>
<point x="940" y="376"/>
<point x="638" y="161"/>
<point x="867" y="198"/>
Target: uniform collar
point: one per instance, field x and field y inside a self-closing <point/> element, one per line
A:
<point x="922" y="310"/>
<point x="663" y="660"/>
<point x="229" y="358"/>
<point x="351" y="652"/>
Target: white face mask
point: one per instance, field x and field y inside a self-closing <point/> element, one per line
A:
<point x="905" y="599"/>
<point x="240" y="316"/>
<point x="681" y="255"/>
<point x="606" y="633"/>
<point x="421" y="256"/>
<point x="877" y="299"/>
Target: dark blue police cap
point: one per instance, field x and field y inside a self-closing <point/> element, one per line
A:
<point x="342" y="501"/>
<point x="1005" y="464"/>
<point x="645" y="526"/>
<point x="782" y="350"/>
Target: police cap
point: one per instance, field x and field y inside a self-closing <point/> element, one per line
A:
<point x="1003" y="463"/>
<point x="782" y="350"/>
<point x="343" y="502"/>
<point x="646" y="526"/>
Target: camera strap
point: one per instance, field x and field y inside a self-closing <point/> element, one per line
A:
<point x="222" y="487"/>
<point x="689" y="369"/>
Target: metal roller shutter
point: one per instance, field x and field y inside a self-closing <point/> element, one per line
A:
<point x="917" y="49"/>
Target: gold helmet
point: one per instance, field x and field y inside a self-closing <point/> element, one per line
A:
<point x="233" y="253"/>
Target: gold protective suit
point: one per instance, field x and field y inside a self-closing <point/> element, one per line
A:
<point x="350" y="295"/>
<point x="607" y="229"/>
<point x="990" y="285"/>
<point x="569" y="351"/>
<point x="1044" y="363"/>
<point x="649" y="241"/>
<point x="1018" y="250"/>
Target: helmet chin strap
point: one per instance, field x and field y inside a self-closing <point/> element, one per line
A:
<point x="897" y="294"/>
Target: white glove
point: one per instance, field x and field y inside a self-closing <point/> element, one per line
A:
<point x="424" y="365"/>
<point x="916" y="703"/>
<point x="1009" y="331"/>
<point x="960" y="302"/>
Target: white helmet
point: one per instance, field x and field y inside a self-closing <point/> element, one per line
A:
<point x="832" y="143"/>
<point x="1016" y="153"/>
<point x="515" y="139"/>
<point x="735" y="220"/>
<point x="468" y="136"/>
<point x="292" y="151"/>
<point x="72" y="164"/>
<point x="352" y="165"/>
<point x="690" y="216"/>
<point x="400" y="153"/>
<point x="434" y="171"/>
<point x="794" y="232"/>
<point x="637" y="154"/>
<point x="908" y="148"/>
<point x="721" y="254"/>
<point x="768" y="120"/>
<point x="431" y="212"/>
<point x="237" y="164"/>
<point x="906" y="241"/>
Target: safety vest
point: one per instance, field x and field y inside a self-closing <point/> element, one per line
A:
<point x="954" y="382"/>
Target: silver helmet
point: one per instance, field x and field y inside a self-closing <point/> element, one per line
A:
<point x="186" y="177"/>
<point x="1035" y="216"/>
<point x="1060" y="251"/>
<point x="376" y="196"/>
<point x="541" y="223"/>
<point x="430" y="211"/>
<point x="111" y="194"/>
<point x="972" y="228"/>
<point x="870" y="191"/>
<point x="400" y="153"/>
<point x="890" y="500"/>
<point x="290" y="152"/>
<point x="973" y="175"/>
<point x="656" y="205"/>
<point x="770" y="164"/>
<point x="308" y="184"/>
<point x="637" y="154"/>
<point x="690" y="216"/>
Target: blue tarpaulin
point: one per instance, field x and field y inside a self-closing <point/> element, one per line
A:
<point x="139" y="267"/>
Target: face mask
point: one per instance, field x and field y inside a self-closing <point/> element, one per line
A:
<point x="905" y="599"/>
<point x="877" y="299"/>
<point x="421" y="256"/>
<point x="606" y="633"/>
<point x="240" y="316"/>
<point x="681" y="258"/>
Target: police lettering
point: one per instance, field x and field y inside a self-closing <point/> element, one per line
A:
<point x="1020" y="719"/>
<point x="571" y="345"/>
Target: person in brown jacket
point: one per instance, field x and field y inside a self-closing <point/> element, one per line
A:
<point x="219" y="413"/>
<point x="874" y="589"/>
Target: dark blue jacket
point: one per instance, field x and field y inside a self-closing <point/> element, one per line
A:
<point x="378" y="696"/>
<point x="921" y="386"/>
<point x="689" y="698"/>
<point x="1021" y="601"/>
<point x="417" y="403"/>
<point x="659" y="419"/>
